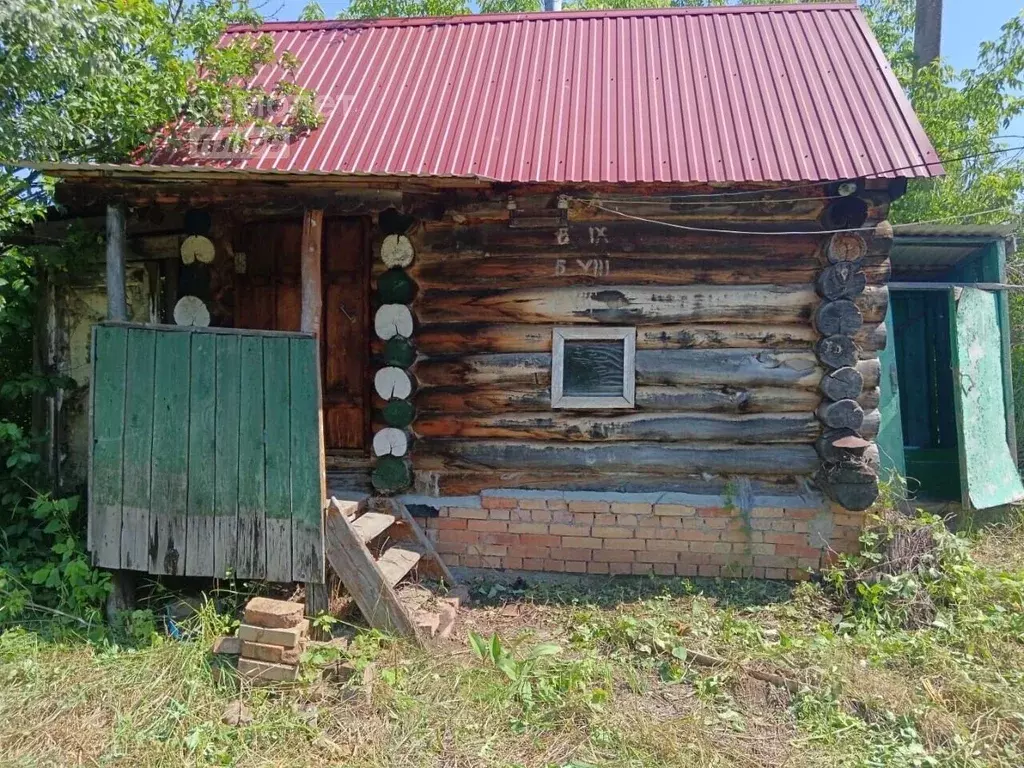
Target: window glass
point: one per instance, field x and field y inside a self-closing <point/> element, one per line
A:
<point x="593" y="367"/>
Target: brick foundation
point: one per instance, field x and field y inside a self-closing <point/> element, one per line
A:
<point x="635" y="534"/>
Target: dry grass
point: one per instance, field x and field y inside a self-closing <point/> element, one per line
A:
<point x="620" y="693"/>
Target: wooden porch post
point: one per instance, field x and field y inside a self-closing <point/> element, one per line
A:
<point x="117" y="303"/>
<point x="317" y="597"/>
<point x="122" y="592"/>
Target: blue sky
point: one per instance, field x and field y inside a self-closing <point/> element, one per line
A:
<point x="965" y="25"/>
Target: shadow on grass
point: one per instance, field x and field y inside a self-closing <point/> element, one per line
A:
<point x="609" y="592"/>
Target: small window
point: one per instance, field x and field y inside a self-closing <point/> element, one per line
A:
<point x="593" y="367"/>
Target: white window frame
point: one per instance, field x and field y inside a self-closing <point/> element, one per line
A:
<point x="627" y="335"/>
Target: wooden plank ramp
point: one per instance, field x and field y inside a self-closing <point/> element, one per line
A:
<point x="374" y="545"/>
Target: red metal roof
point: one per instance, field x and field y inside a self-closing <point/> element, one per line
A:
<point x="733" y="94"/>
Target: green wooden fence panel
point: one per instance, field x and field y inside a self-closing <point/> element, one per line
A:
<point x="206" y="452"/>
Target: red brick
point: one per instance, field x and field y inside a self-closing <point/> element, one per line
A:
<point x="469" y="537"/>
<point x="700" y="536"/>
<point x="709" y="570"/>
<point x="450" y="523"/>
<point x="506" y="539"/>
<point x="715" y="512"/>
<point x="448" y="548"/>
<point x="657" y="557"/>
<point x="582" y="518"/>
<point x="533" y="564"/>
<point x="761" y="549"/>
<point x="792" y="539"/>
<point x="533" y="504"/>
<point x="575" y="567"/>
<point x="562" y="516"/>
<point x="593" y="507"/>
<point x="797" y="574"/>
<point x="581" y="542"/>
<point x="774" y="561"/>
<point x="667" y="545"/>
<point x="527" y="528"/>
<point x="627" y="521"/>
<point x="611" y="532"/>
<point x="499" y="514"/>
<point x="775" y="573"/>
<point x="521" y="515"/>
<point x="631" y="508"/>
<point x="622" y="569"/>
<point x="596" y="567"/>
<point x="665" y="569"/>
<point x="614" y="555"/>
<point x="649" y="521"/>
<point x="674" y="510"/>
<point x="540" y="516"/>
<point x="686" y="569"/>
<point x="529" y="552"/>
<point x="767" y="512"/>
<point x="554" y="565"/>
<point x="634" y="544"/>
<point x="467" y="513"/>
<point x="559" y="529"/>
<point x="497" y="502"/>
<point x="801" y="514"/>
<point x="560" y="505"/>
<point x="491" y="550"/>
<point x="642" y="569"/>
<point x="802" y="551"/>
<point x="785" y="526"/>
<point x="495" y="526"/>
<point x="562" y="553"/>
<point x="605" y="519"/>
<point x="540" y="540"/>
<point x="702" y="546"/>
<point x="515" y="563"/>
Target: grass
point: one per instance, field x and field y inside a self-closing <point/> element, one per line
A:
<point x="602" y="673"/>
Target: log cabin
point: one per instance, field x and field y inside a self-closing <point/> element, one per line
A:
<point x="589" y="292"/>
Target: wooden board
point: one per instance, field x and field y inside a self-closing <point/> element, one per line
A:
<point x="207" y="454"/>
<point x="168" y="509"/>
<point x="105" y="496"/>
<point x="138" y="449"/>
<point x="252" y="511"/>
<point x="202" y="457"/>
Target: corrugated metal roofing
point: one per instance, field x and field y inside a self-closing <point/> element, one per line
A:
<point x="733" y="94"/>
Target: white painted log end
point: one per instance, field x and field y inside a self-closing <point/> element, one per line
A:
<point x="197" y="248"/>
<point x="390" y="442"/>
<point x="393" y="320"/>
<point x="391" y="383"/>
<point x="190" y="310"/>
<point x="396" y="251"/>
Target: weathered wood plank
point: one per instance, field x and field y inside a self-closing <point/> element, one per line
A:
<point x="200" y="534"/>
<point x="167" y="519"/>
<point x="670" y="367"/>
<point x="252" y="516"/>
<point x="655" y="458"/>
<point x="630" y="304"/>
<point x="662" y="427"/>
<point x="138" y="449"/>
<point x="496" y="398"/>
<point x="228" y="415"/>
<point x="307" y="461"/>
<point x="110" y="347"/>
<point x="352" y="561"/>
<point x="277" y="470"/>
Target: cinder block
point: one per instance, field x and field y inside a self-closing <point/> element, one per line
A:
<point x="272" y="654"/>
<point x="262" y="671"/>
<point x="273" y="614"/>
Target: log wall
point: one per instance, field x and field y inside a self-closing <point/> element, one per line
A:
<point x="735" y="335"/>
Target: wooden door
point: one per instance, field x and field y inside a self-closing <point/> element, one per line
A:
<point x="268" y="294"/>
<point x="345" y="346"/>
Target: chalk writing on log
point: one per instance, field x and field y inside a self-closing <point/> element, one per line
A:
<point x="586" y="267"/>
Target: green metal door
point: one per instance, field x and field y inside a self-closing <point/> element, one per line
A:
<point x="989" y="476"/>
<point x="890" y="433"/>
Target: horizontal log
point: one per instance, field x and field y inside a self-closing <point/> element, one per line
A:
<point x="669" y="367"/>
<point x="610" y="237"/>
<point x="870" y="398"/>
<point x="661" y="427"/>
<point x="458" y="482"/>
<point x="871" y="371"/>
<point x="853" y="487"/>
<point x="832" y="318"/>
<point x="569" y="268"/>
<point x="632" y="304"/>
<point x="636" y="304"/>
<point x="842" y="281"/>
<point x="842" y="414"/>
<point x="837" y="351"/>
<point x="654" y="458"/>
<point x="475" y="338"/>
<point x="871" y="424"/>
<point x="706" y="399"/>
<point x="840" y="445"/>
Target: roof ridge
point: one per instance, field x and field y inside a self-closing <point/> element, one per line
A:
<point x="492" y="18"/>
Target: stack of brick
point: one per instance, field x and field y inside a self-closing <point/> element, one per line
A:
<point x="273" y="638"/>
<point x="631" y="534"/>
